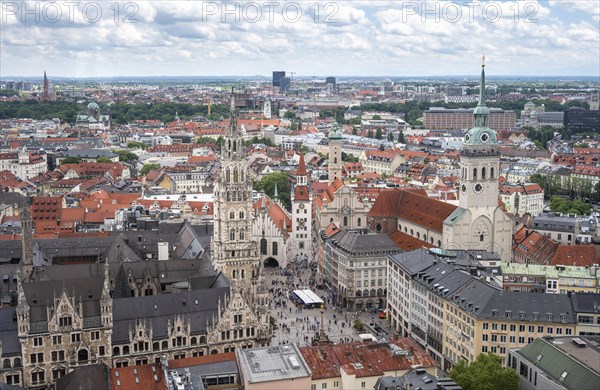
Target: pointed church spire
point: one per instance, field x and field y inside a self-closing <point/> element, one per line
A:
<point x="482" y="84"/>
<point x="301" y="166"/>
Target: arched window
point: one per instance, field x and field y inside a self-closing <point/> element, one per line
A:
<point x="243" y="273"/>
<point x="227" y="175"/>
<point x="358" y="293"/>
<point x="481" y="237"/>
<point x="234" y="146"/>
<point x="345" y="221"/>
<point x="359" y="222"/>
<point x="232" y="235"/>
<point x="235" y="175"/>
<point x="474" y="173"/>
<point x="483" y="173"/>
<point x="82" y="355"/>
<point x="164" y="345"/>
<point x="241" y="175"/>
<point x="274" y="249"/>
<point x="378" y="227"/>
<point x="17" y="362"/>
<point x="6" y="363"/>
<point x="412" y="233"/>
<point x="241" y="234"/>
<point x="263" y="246"/>
<point x="431" y="240"/>
<point x="156" y="346"/>
<point x="234" y="274"/>
<point x="126" y="350"/>
<point x="335" y="160"/>
<point x="241" y="214"/>
<point x="418" y="235"/>
<point x="231" y="214"/>
<point x="116" y="351"/>
<point x="202" y="339"/>
<point x="439" y="243"/>
<point x="491" y="172"/>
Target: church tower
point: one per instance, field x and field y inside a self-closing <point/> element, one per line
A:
<point x="233" y="247"/>
<point x="335" y="156"/>
<point x="479" y="222"/>
<point x="480" y="160"/>
<point x="301" y="212"/>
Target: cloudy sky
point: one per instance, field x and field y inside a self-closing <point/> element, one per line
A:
<point x="81" y="38"/>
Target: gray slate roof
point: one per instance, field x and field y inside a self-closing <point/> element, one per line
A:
<point x="198" y="306"/>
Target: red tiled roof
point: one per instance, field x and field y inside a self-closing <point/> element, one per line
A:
<point x="200" y="360"/>
<point x="138" y="377"/>
<point x="532" y="247"/>
<point x="411" y="206"/>
<point x="375" y="359"/>
<point x="275" y="212"/>
<point x="407" y="242"/>
<point x="581" y="255"/>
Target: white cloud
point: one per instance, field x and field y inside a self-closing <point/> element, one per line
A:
<point x="367" y="37"/>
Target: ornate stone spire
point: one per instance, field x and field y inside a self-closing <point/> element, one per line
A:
<point x="26" y="243"/>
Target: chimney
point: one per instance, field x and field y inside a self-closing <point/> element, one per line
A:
<point x="163" y="251"/>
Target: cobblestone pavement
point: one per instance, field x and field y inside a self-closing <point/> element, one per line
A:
<point x="300" y="325"/>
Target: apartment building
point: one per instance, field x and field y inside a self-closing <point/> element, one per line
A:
<point x="465" y="316"/>
<point x="457" y="119"/>
<point x="551" y="279"/>
<point x="521" y="199"/>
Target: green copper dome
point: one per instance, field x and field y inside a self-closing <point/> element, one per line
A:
<point x="481" y="134"/>
<point x="335" y="134"/>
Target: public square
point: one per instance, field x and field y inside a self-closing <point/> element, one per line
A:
<point x="295" y="324"/>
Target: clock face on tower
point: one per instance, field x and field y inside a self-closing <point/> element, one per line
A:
<point x="485" y="137"/>
<point x="301" y="206"/>
<point x="477" y="187"/>
<point x="463" y="188"/>
<point x="467" y="138"/>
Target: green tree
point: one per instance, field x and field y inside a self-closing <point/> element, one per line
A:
<point x="125" y="155"/>
<point x="401" y="138"/>
<point x="348" y="157"/>
<point x="137" y="145"/>
<point x="267" y="185"/>
<point x="74" y="134"/>
<point x="378" y="134"/>
<point x="261" y="140"/>
<point x="289" y="114"/>
<point x="596" y="193"/>
<point x="206" y="141"/>
<point x="376" y="117"/>
<point x="354" y="130"/>
<point x="103" y="160"/>
<point x="148" y="167"/>
<point x="485" y="373"/>
<point x="71" y="160"/>
<point x="370" y="133"/>
<point x="358" y="325"/>
<point x="390" y="137"/>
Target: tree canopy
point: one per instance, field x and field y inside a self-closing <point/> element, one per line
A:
<point x="267" y="185"/>
<point x="137" y="145"/>
<point x="576" y="206"/>
<point x="148" y="167"/>
<point x="103" y="160"/>
<point x="485" y="373"/>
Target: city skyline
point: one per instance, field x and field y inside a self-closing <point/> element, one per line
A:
<point x="345" y="39"/>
